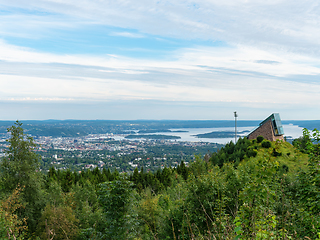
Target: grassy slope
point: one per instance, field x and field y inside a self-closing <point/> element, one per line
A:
<point x="290" y="156"/>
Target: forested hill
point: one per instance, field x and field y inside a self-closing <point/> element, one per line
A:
<point x="76" y="128"/>
<point x="255" y="189"/>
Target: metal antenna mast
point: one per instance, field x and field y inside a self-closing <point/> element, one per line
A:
<point x="235" y="136"/>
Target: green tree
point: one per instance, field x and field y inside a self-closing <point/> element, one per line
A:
<point x="87" y="208"/>
<point x="115" y="198"/>
<point x="309" y="186"/>
<point x="149" y="215"/>
<point x="58" y="222"/>
<point x="183" y="170"/>
<point x="19" y="168"/>
<point x="11" y="227"/>
<point x="302" y="142"/>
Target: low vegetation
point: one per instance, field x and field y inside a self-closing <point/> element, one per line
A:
<point x="254" y="189"/>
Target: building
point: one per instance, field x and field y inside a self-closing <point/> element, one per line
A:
<point x="271" y="129"/>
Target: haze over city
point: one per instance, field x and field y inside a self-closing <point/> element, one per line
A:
<point x="159" y="59"/>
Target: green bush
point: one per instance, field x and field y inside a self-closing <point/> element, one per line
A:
<point x="260" y="139"/>
<point x="275" y="153"/>
<point x="284" y="168"/>
<point x="266" y="144"/>
<point x="252" y="153"/>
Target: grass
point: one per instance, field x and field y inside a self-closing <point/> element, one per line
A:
<point x="290" y="156"/>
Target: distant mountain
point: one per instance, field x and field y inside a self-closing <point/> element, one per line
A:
<point x="309" y="124"/>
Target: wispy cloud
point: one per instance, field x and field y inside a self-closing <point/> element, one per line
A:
<point x="293" y="25"/>
<point x="267" y="62"/>
<point x="270" y="56"/>
<point x="126" y="34"/>
<point x="198" y="75"/>
<point x="239" y="58"/>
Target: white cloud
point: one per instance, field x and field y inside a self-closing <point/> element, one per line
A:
<point x="240" y="58"/>
<point x="292" y="25"/>
<point x="272" y="55"/>
<point x="126" y="34"/>
<point x="198" y="75"/>
<point x="265" y="91"/>
<point x="35" y="26"/>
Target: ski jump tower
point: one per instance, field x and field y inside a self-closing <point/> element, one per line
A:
<point x="270" y="128"/>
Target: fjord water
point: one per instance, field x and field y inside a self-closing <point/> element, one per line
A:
<point x="188" y="134"/>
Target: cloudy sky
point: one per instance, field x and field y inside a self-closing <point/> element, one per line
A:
<point x="159" y="59"/>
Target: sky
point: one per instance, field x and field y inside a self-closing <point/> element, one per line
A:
<point x="159" y="59"/>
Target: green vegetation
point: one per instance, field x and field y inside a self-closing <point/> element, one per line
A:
<point x="77" y="128"/>
<point x="266" y="144"/>
<point x="260" y="139"/>
<point x="219" y="134"/>
<point x="243" y="191"/>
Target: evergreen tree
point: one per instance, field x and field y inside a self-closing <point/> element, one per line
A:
<point x="115" y="197"/>
<point x="19" y="168"/>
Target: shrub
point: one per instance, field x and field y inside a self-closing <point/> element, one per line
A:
<point x="275" y="153"/>
<point x="266" y="144"/>
<point x="260" y="139"/>
<point x="252" y="153"/>
<point x="284" y="168"/>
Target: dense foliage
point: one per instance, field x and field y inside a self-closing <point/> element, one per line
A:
<point x="248" y="190"/>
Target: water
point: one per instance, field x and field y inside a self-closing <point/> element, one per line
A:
<point x="290" y="130"/>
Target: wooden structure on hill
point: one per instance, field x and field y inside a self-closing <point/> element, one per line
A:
<point x="270" y="128"/>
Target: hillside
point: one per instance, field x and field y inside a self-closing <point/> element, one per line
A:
<point x="286" y="154"/>
<point x="290" y="156"/>
<point x="254" y="189"/>
<point x="282" y="152"/>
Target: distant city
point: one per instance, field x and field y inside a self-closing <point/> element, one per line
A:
<point x="103" y="151"/>
<point x="79" y="145"/>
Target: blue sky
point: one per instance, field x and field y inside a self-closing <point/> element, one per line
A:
<point x="144" y="59"/>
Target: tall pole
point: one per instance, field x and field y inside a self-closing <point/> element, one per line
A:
<point x="235" y="124"/>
